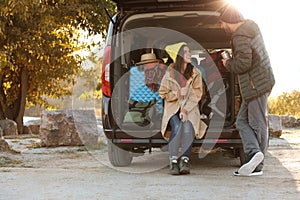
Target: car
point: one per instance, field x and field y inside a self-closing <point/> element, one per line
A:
<point x="149" y="26"/>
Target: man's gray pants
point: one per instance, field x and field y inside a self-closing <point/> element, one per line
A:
<point x="253" y="128"/>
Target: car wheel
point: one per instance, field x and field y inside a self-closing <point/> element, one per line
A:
<point x="118" y="157"/>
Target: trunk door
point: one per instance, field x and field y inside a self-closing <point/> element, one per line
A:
<point x="144" y="5"/>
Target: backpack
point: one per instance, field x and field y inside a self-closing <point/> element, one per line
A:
<point x="140" y="112"/>
<point x="154" y="72"/>
<point x="213" y="67"/>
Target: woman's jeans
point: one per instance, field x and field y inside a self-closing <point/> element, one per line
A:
<point x="182" y="135"/>
<point x="253" y="127"/>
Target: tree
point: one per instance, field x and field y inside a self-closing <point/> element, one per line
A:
<point x="37" y="41"/>
<point x="286" y="104"/>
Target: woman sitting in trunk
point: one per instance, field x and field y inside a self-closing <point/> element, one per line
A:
<point x="181" y="89"/>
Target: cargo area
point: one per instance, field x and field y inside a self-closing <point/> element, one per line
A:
<point x="143" y="33"/>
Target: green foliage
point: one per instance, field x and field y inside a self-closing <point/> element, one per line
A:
<point x="37" y="41"/>
<point x="286" y="104"/>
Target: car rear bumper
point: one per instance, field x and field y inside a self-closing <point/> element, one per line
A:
<point x="153" y="138"/>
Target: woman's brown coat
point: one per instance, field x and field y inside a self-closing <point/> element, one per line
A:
<point x="169" y="91"/>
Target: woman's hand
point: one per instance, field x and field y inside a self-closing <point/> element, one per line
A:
<point x="183" y="116"/>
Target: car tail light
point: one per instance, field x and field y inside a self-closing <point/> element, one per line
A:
<point x="106" y="72"/>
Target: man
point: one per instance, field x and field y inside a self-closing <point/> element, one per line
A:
<point x="251" y="64"/>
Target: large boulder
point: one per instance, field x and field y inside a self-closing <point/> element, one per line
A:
<point x="9" y="127"/>
<point x="69" y="128"/>
<point x="275" y="125"/>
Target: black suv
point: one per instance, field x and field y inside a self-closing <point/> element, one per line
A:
<point x="145" y="26"/>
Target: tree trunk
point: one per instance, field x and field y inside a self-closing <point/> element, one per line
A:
<point x="24" y="88"/>
<point x="2" y="99"/>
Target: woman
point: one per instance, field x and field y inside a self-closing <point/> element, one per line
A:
<point x="181" y="89"/>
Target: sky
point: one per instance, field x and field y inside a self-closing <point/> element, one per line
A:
<point x="279" y="23"/>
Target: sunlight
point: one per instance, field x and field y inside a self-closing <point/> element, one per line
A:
<point x="278" y="23"/>
<point x="250" y="8"/>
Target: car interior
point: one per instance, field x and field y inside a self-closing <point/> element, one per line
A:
<point x="152" y="32"/>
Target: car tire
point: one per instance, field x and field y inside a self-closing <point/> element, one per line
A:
<point x="118" y="157"/>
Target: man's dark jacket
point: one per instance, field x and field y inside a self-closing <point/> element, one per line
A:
<point x="251" y="62"/>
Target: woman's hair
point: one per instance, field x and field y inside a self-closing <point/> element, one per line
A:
<point x="179" y="63"/>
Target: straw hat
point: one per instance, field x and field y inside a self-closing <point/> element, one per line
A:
<point x="147" y="58"/>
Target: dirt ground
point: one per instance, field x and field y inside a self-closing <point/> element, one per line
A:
<point x="77" y="173"/>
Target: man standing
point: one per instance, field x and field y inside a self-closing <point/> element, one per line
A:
<point x="251" y="64"/>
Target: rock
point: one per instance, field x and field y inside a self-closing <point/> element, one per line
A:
<point x="275" y="125"/>
<point x="290" y="121"/>
<point x="1" y="133"/>
<point x="32" y="126"/>
<point x="69" y="128"/>
<point x="26" y="130"/>
<point x="32" y="121"/>
<point x="3" y="145"/>
<point x="34" y="129"/>
<point x="297" y="123"/>
<point x="9" y="127"/>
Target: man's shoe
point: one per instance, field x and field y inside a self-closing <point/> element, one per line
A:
<point x="250" y="166"/>
<point x="174" y="167"/>
<point x="255" y="173"/>
<point x="184" y="166"/>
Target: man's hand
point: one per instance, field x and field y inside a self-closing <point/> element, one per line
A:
<point x="224" y="61"/>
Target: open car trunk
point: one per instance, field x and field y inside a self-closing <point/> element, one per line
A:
<point x="132" y="107"/>
<point x="143" y="32"/>
<point x="131" y="5"/>
<point x="197" y="19"/>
